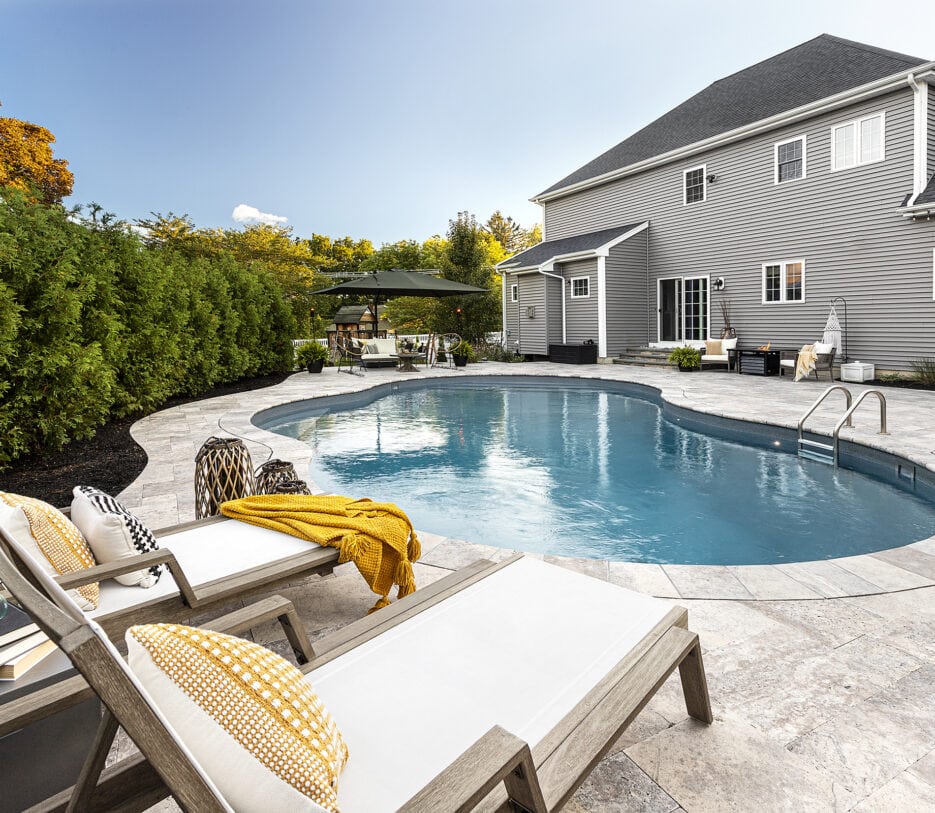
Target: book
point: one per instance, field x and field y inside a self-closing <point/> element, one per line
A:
<point x="15" y="625"/>
<point x="17" y="648"/>
<point x="21" y="665"/>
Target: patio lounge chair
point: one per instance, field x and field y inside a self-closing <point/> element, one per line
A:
<point x="379" y="353"/>
<point x="824" y="360"/>
<point x="211" y="562"/>
<point x="487" y="659"/>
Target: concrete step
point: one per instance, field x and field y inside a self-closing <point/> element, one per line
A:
<point x="644" y="357"/>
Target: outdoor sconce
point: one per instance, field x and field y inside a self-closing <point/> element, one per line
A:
<point x="711" y="178"/>
<point x="718" y="283"/>
<point x="531" y="312"/>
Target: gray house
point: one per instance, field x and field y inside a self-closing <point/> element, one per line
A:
<point x="806" y="177"/>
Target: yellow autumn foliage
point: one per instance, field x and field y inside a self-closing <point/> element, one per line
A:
<point x="27" y="163"/>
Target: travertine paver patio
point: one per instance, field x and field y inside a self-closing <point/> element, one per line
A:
<point x="820" y="673"/>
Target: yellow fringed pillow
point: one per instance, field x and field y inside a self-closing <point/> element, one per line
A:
<point x="251" y="718"/>
<point x="52" y="540"/>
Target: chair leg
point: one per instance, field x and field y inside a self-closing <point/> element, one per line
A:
<point x="695" y="686"/>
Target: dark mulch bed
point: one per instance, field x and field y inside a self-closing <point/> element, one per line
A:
<point x="111" y="460"/>
<point x="903" y="383"/>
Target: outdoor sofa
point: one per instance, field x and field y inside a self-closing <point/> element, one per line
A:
<point x="500" y="680"/>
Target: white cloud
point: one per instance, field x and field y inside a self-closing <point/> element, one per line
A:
<point x="250" y="214"/>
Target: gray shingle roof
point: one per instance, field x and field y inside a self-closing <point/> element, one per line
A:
<point x="928" y="194"/>
<point x="542" y="252"/>
<point x="807" y="73"/>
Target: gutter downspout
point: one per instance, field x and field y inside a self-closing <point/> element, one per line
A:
<point x="562" y="280"/>
<point x="919" y="128"/>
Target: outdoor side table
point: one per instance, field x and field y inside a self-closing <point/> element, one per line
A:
<point x="45" y="757"/>
<point x="405" y="361"/>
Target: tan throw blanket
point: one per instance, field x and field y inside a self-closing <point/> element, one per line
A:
<point x="805" y="361"/>
<point x="377" y="537"/>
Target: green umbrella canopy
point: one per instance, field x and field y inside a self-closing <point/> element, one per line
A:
<point x="382" y="285"/>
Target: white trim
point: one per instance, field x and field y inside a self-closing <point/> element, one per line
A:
<point x="920" y="100"/>
<point x="503" y="314"/>
<point x="855" y="123"/>
<point x="782" y="283"/>
<point x="704" y="184"/>
<point x="933" y="273"/>
<point x="514" y="292"/>
<point x="561" y="279"/>
<point x="804" y="139"/>
<point x="599" y="251"/>
<point x="587" y="278"/>
<point x="601" y="306"/>
<point x="826" y="105"/>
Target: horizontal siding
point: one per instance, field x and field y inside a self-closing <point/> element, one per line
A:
<point x="580" y="314"/>
<point x="531" y="333"/>
<point x="931" y="131"/>
<point x="628" y="302"/>
<point x="553" y="288"/>
<point x="512" y="316"/>
<point x="845" y="225"/>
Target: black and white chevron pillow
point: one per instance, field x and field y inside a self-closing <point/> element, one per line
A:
<point x="113" y="532"/>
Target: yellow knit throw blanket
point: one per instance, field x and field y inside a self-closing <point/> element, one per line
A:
<point x="377" y="537"/>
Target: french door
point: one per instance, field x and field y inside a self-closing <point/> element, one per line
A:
<point x="683" y="309"/>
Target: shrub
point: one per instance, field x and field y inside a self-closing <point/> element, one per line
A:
<point x="686" y="357"/>
<point x="924" y="371"/>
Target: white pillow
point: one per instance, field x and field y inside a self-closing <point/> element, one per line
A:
<point x="818" y="347"/>
<point x="728" y="344"/>
<point x="113" y="533"/>
<point x="249" y="717"/>
<point x="17" y="527"/>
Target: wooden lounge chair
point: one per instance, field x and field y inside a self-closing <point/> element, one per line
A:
<point x="211" y="562"/>
<point x="483" y="662"/>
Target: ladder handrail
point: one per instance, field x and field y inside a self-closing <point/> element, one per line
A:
<point x="825" y="394"/>
<point x="846" y="418"/>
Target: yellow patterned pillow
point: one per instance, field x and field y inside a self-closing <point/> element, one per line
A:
<point x="53" y="536"/>
<point x="267" y="718"/>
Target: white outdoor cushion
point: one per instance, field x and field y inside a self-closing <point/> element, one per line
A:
<point x="518" y="649"/>
<point x="722" y="358"/>
<point x="787" y="362"/>
<point x="206" y="553"/>
<point x="729" y="344"/>
<point x="113" y="533"/>
<point x="822" y="348"/>
<point x="382" y="347"/>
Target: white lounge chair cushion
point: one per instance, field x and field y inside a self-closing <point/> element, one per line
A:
<point x="46" y="536"/>
<point x="822" y="349"/>
<point x="113" y="533"/>
<point x="728" y="344"/>
<point x="206" y="553"/>
<point x="722" y="357"/>
<point x="381" y="347"/>
<point x="787" y="362"/>
<point x="247" y="715"/>
<point x="518" y="649"/>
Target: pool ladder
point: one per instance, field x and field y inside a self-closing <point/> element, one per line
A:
<point x="828" y="452"/>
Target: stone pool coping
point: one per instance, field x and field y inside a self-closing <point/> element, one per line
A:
<point x="164" y="495"/>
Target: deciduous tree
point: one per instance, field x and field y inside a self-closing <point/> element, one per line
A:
<point x="27" y="163"/>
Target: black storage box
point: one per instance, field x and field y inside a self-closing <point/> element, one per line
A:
<point x="573" y="353"/>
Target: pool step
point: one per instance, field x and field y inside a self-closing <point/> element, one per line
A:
<point x="826" y="455"/>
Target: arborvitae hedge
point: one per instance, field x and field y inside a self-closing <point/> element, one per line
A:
<point x="94" y="325"/>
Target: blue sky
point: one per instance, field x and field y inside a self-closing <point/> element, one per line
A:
<point x="377" y="119"/>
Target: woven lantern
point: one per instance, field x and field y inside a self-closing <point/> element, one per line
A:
<point x="223" y="471"/>
<point x="291" y="487"/>
<point x="273" y="472"/>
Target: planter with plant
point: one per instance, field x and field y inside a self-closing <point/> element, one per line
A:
<point x="462" y="353"/>
<point x="312" y="356"/>
<point x="686" y="357"/>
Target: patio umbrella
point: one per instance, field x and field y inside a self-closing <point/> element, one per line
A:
<point x="382" y="285"/>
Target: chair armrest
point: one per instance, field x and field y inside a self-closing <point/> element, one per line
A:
<point x="272" y="608"/>
<point x="788" y="355"/>
<point x="496" y="757"/>
<point x="141" y="561"/>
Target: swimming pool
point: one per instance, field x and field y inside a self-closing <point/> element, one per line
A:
<point x="584" y="469"/>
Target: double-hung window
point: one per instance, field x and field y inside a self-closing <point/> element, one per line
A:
<point x="580" y="287"/>
<point x="858" y="142"/>
<point x="695" y="186"/>
<point x="514" y="293"/>
<point x="789" y="159"/>
<point x="784" y="282"/>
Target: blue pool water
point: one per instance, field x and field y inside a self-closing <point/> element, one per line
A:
<point x="598" y="474"/>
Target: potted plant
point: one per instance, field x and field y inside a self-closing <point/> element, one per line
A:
<point x="686" y="357"/>
<point x="312" y="356"/>
<point x="727" y="332"/>
<point x="462" y="353"/>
